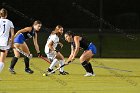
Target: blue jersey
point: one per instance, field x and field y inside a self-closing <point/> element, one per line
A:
<point x="86" y="45"/>
<point x="22" y="37"/>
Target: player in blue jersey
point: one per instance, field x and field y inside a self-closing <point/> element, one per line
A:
<point x="77" y="43"/>
<point x="19" y="42"/>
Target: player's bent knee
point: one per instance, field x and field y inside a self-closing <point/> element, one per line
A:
<point x="60" y="57"/>
<point x="82" y="58"/>
<point x="17" y="56"/>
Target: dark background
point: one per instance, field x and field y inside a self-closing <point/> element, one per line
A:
<point x="115" y="35"/>
<point x="53" y="12"/>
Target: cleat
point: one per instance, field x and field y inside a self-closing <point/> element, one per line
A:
<point x="66" y="72"/>
<point x="89" y="74"/>
<point x="12" y="71"/>
<point x="63" y="73"/>
<point x="50" y="70"/>
<point x="28" y="70"/>
<point x="93" y="74"/>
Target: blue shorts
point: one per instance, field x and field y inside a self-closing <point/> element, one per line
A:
<point x="19" y="39"/>
<point x="92" y="47"/>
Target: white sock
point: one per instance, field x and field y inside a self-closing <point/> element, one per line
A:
<point x="1" y="66"/>
<point x="61" y="62"/>
<point x="54" y="62"/>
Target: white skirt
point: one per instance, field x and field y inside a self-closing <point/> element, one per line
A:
<point x="5" y="47"/>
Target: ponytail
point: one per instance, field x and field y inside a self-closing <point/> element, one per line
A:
<point x="56" y="29"/>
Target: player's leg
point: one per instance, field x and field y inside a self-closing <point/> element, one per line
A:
<point x="84" y="59"/>
<point x="3" y="55"/>
<point x="61" y="62"/>
<point x="54" y="62"/>
<point x="15" y="58"/>
<point x="52" y="57"/>
<point x="25" y="49"/>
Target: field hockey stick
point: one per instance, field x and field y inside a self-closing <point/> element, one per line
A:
<point x="25" y="54"/>
<point x="46" y="74"/>
<point x="47" y="60"/>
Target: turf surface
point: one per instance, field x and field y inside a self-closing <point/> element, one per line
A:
<point x="119" y="76"/>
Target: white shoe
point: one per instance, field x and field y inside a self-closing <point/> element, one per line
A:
<point x="88" y="74"/>
<point x="93" y="74"/>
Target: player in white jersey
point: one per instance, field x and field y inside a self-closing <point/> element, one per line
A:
<point x="51" y="52"/>
<point x="6" y="27"/>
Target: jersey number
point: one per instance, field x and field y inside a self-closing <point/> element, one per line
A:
<point x="4" y="28"/>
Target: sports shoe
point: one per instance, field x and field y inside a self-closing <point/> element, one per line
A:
<point x="93" y="74"/>
<point x="50" y="70"/>
<point x="89" y="74"/>
<point x="12" y="71"/>
<point x="66" y="72"/>
<point x="63" y="73"/>
<point x="28" y="70"/>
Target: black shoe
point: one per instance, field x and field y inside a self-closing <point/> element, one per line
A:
<point x="50" y="70"/>
<point x="28" y="70"/>
<point x="63" y="73"/>
<point x="66" y="72"/>
<point x="11" y="70"/>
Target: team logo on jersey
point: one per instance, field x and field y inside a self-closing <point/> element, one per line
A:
<point x="29" y="35"/>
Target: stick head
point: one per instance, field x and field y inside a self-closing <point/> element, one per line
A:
<point x="30" y="56"/>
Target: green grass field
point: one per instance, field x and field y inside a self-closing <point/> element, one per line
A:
<point x="118" y="80"/>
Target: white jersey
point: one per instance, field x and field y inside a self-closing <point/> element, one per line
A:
<point x="5" y="26"/>
<point x="52" y="38"/>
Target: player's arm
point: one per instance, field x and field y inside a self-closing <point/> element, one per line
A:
<point x="60" y="44"/>
<point x="36" y="43"/>
<point x="50" y="45"/>
<point x="71" y="55"/>
<point x="12" y="36"/>
<point x="26" y="29"/>
<point x="77" y="46"/>
<point x="53" y="39"/>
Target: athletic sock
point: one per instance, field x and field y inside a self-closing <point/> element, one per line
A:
<point x="90" y="67"/>
<point x="54" y="62"/>
<point x="86" y="66"/>
<point x="1" y="66"/>
<point x="13" y="62"/>
<point x="26" y="60"/>
<point x="61" y="62"/>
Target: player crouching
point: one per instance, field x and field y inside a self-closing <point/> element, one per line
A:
<point x="79" y="42"/>
<point x="52" y="53"/>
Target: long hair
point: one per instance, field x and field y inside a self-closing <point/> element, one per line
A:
<point x="56" y="29"/>
<point x="3" y="12"/>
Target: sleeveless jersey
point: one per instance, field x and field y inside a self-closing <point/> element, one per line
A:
<point x="29" y="34"/>
<point x="83" y="43"/>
